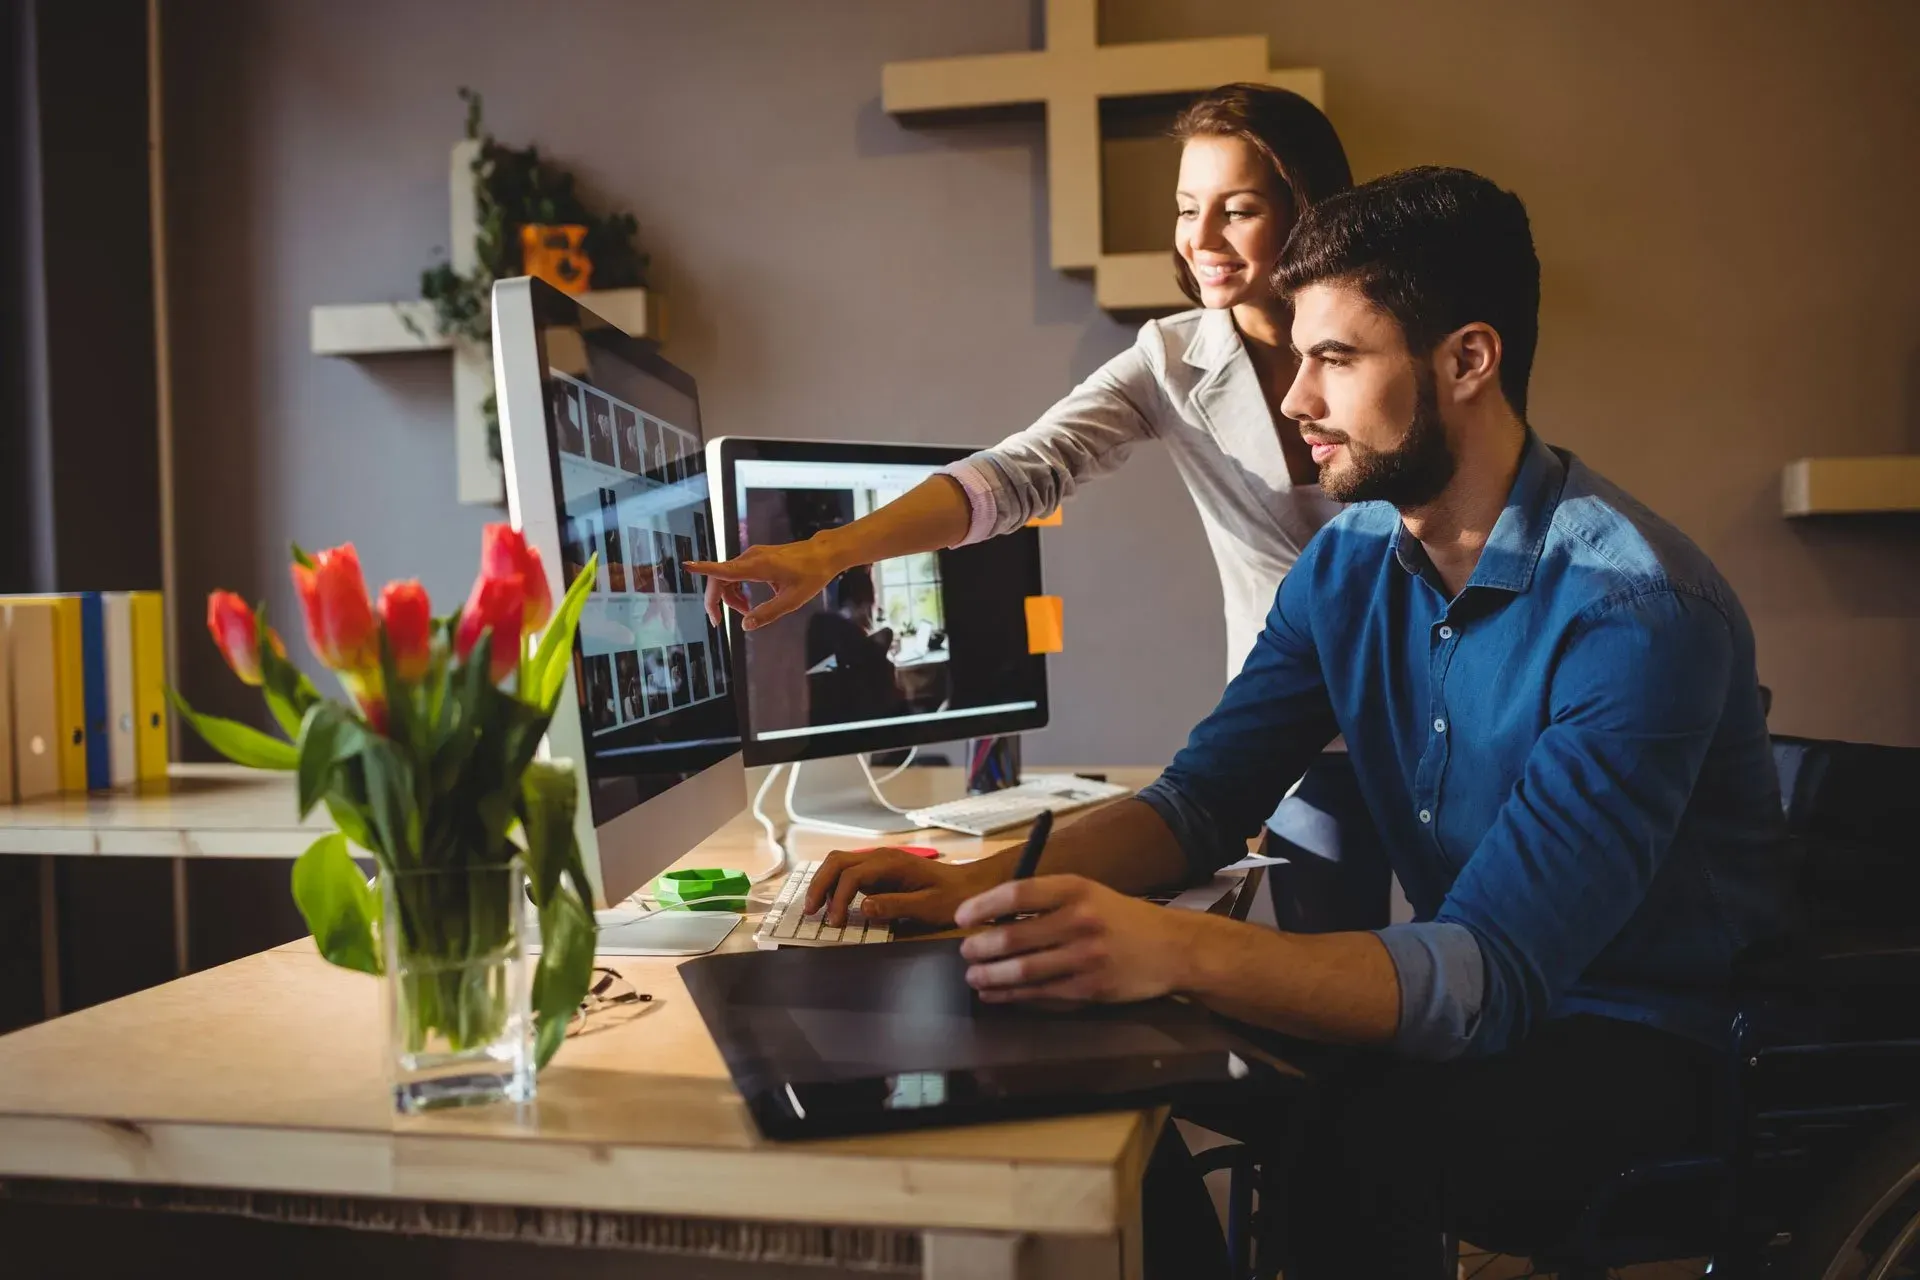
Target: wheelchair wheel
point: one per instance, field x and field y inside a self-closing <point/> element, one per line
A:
<point x="1867" y="1227"/>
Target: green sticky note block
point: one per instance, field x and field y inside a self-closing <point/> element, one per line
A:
<point x="715" y="889"/>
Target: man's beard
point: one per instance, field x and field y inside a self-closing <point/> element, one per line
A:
<point x="1409" y="475"/>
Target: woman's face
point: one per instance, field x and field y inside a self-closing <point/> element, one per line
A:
<point x="1232" y="220"/>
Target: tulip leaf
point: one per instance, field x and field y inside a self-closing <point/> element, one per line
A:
<point x="349" y="815"/>
<point x="548" y="796"/>
<point x="301" y="558"/>
<point x="391" y="810"/>
<point x="286" y="688"/>
<point x="333" y="897"/>
<point x="328" y="735"/>
<point x="547" y="671"/>
<point x="567" y="934"/>
<point x="243" y="744"/>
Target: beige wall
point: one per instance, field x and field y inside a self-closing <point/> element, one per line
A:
<point x="1722" y="191"/>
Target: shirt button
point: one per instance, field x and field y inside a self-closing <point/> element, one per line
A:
<point x="1439" y="725"/>
<point x="1426" y="816"/>
<point x="1446" y="633"/>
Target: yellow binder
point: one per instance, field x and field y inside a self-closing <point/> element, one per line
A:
<point x="149" y="685"/>
<point x="69" y="689"/>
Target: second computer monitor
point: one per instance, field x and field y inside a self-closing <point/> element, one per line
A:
<point x="923" y="648"/>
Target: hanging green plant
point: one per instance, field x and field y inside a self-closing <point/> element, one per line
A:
<point x="514" y="188"/>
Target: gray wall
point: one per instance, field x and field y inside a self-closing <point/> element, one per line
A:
<point x="1721" y="193"/>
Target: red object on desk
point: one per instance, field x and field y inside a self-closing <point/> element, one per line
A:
<point x="917" y="850"/>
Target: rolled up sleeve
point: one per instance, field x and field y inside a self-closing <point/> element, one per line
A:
<point x="1442" y="984"/>
<point x="1087" y="434"/>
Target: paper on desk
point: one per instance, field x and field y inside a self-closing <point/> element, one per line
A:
<point x="1205" y="897"/>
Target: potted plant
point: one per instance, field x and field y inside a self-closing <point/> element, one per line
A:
<point x="429" y="765"/>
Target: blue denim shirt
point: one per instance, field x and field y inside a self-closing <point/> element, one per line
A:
<point x="1568" y="761"/>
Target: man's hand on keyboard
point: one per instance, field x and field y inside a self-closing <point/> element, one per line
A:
<point x="898" y="886"/>
<point x="1079" y="941"/>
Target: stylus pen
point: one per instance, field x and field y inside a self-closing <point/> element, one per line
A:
<point x="1036" y="845"/>
<point x="1030" y="856"/>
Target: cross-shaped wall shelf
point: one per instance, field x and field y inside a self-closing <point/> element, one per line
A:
<point x="387" y="328"/>
<point x="1069" y="78"/>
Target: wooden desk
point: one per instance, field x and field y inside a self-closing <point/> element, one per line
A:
<point x="260" y="1087"/>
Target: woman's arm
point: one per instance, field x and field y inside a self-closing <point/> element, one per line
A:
<point x="933" y="514"/>
<point x="994" y="492"/>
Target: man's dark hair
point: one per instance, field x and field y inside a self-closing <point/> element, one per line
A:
<point x="1436" y="249"/>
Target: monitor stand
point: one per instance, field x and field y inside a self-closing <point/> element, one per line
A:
<point x="838" y="795"/>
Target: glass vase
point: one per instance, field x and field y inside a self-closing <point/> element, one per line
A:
<point x="459" y="986"/>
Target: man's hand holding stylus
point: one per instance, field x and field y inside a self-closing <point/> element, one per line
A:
<point x="1077" y="940"/>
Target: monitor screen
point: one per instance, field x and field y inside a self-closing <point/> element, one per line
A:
<point x="921" y="648"/>
<point x="652" y="677"/>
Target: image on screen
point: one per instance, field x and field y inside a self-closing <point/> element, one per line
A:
<point x="881" y="646"/>
<point x="632" y="484"/>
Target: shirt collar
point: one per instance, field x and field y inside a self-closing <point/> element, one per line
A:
<point x="1215" y="341"/>
<point x="1513" y="548"/>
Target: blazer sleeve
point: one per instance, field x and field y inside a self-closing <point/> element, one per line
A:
<point x="1088" y="433"/>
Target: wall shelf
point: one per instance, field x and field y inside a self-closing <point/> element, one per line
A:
<point x="1850" y="486"/>
<point x="382" y="328"/>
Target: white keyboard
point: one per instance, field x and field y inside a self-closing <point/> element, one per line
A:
<point x="1016" y="806"/>
<point x="785" y="925"/>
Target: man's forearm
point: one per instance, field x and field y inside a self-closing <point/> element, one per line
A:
<point x="1339" y="987"/>
<point x="1124" y="846"/>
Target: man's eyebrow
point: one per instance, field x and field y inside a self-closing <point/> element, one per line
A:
<point x="1324" y="347"/>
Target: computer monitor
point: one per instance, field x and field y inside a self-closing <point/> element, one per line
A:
<point x="924" y="648"/>
<point x="601" y="441"/>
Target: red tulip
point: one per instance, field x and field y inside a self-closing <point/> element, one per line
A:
<point x="504" y="553"/>
<point x="235" y="634"/>
<point x="333" y="595"/>
<point x="408" y="618"/>
<point x="498" y="605"/>
<point x="539" y="592"/>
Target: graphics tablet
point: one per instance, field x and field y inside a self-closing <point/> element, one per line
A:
<point x="836" y="1041"/>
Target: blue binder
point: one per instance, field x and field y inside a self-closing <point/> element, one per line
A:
<point x="93" y="675"/>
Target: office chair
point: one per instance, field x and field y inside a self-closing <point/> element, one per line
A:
<point x="1819" y="1135"/>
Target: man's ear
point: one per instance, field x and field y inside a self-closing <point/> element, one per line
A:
<point x="1469" y="363"/>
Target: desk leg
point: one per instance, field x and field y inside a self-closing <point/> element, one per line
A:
<point x="49" y="939"/>
<point x="965" y="1255"/>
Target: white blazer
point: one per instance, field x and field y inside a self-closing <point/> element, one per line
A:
<point x="1189" y="383"/>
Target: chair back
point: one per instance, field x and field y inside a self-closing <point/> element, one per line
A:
<point x="1854" y="808"/>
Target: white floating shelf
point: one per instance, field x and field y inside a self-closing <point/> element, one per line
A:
<point x="382" y="328"/>
<point x="1850" y="486"/>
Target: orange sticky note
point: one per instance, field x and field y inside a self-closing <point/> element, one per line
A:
<point x="1044" y="615"/>
<point x="1049" y="521"/>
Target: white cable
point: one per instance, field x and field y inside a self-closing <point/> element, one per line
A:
<point x="769" y="826"/>
<point x="866" y="771"/>
<point x="906" y="764"/>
